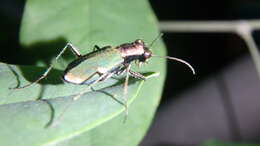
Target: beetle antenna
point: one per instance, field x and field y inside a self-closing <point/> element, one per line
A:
<point x="178" y="60"/>
<point x="159" y="36"/>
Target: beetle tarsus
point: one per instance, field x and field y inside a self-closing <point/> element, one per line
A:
<point x="137" y="75"/>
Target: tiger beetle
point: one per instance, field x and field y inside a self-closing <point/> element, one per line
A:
<point x="103" y="63"/>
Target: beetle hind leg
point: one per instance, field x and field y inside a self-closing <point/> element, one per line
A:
<point x="101" y="78"/>
<point x="126" y="90"/>
<point x="47" y="71"/>
<point x="73" y="49"/>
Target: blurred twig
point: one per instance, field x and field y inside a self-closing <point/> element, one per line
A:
<point x="206" y="26"/>
<point x="242" y="28"/>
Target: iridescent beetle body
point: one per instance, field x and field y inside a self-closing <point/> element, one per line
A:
<point x="88" y="68"/>
<point x="107" y="61"/>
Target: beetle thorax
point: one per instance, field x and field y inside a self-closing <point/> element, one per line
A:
<point x="131" y="49"/>
<point x="135" y="51"/>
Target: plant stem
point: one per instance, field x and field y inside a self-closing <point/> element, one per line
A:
<point x="242" y="28"/>
<point x="206" y="26"/>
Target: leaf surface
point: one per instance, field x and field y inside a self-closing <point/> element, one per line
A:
<point x="46" y="27"/>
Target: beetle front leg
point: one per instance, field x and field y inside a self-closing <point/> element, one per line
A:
<point x="137" y="75"/>
<point x="134" y="74"/>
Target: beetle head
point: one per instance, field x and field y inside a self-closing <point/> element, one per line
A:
<point x="147" y="52"/>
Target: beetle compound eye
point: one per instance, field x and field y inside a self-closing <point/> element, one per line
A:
<point x="147" y="54"/>
<point x="139" y="41"/>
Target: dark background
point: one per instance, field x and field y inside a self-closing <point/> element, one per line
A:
<point x="209" y="53"/>
<point x="222" y="101"/>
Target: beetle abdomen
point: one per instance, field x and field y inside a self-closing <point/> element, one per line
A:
<point x="88" y="68"/>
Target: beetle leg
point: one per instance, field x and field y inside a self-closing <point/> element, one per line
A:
<point x="109" y="75"/>
<point x="102" y="77"/>
<point x="69" y="45"/>
<point x="96" y="47"/>
<point x="137" y="75"/>
<point x="73" y="49"/>
<point x="134" y="74"/>
<point x="106" y="47"/>
<point x="76" y="97"/>
<point x="126" y="89"/>
<point x="120" y="71"/>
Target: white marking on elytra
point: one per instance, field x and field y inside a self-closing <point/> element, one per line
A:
<point x="72" y="78"/>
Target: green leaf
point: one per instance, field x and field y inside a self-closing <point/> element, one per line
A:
<point x="91" y="120"/>
<point x="218" y="143"/>
<point x="34" y="116"/>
